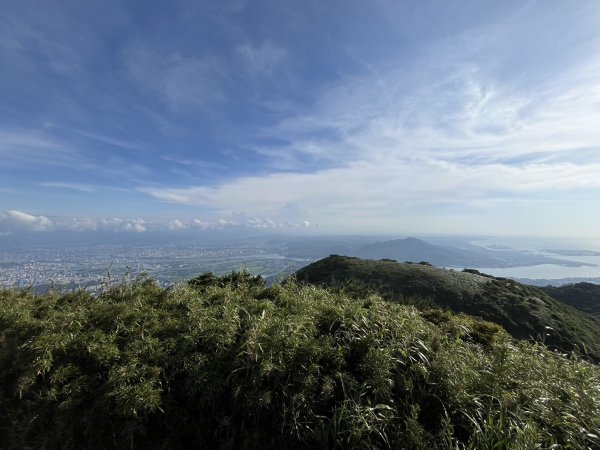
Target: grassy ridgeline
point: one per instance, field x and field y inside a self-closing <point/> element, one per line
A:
<point x="583" y="296"/>
<point x="525" y="312"/>
<point x="228" y="363"/>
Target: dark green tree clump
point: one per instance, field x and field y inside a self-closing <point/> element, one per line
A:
<point x="225" y="362"/>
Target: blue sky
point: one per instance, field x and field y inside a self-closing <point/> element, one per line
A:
<point x="447" y="117"/>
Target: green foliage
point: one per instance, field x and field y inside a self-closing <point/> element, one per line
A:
<point x="234" y="279"/>
<point x="480" y="331"/>
<point x="228" y="363"/>
<point x="524" y="311"/>
<point x="583" y="296"/>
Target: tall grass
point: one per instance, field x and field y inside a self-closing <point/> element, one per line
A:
<point x="225" y="362"/>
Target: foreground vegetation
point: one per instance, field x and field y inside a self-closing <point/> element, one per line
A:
<point x="229" y="363"/>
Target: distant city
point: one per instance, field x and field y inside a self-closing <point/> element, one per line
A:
<point x="95" y="267"/>
<point x="98" y="265"/>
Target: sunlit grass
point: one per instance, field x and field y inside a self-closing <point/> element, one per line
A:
<point x="227" y="363"/>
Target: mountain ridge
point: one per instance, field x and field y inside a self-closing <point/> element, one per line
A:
<point x="413" y="249"/>
<point x="583" y="296"/>
<point x="526" y="312"/>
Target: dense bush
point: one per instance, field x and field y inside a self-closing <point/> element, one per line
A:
<point x="229" y="363"/>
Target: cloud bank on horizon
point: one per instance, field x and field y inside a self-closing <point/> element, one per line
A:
<point x="18" y="221"/>
<point x="364" y="116"/>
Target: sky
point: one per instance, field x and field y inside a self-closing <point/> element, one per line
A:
<point x="355" y="116"/>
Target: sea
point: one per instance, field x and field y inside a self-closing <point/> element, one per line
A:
<point x="546" y="271"/>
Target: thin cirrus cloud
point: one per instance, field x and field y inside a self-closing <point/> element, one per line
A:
<point x="391" y="117"/>
<point x="446" y="130"/>
<point x="186" y="82"/>
<point x="69" y="186"/>
<point x="22" y="147"/>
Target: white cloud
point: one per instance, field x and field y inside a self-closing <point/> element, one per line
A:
<point x="252" y="222"/>
<point x="255" y="222"/>
<point x="450" y="137"/>
<point x="115" y="224"/>
<point x="397" y="182"/>
<point x="176" y="224"/>
<point x="226" y="223"/>
<point x="206" y="224"/>
<point x="136" y="225"/>
<point x="500" y="115"/>
<point x="17" y="221"/>
<point x="202" y="224"/>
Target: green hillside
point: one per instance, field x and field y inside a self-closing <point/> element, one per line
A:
<point x="228" y="363"/>
<point x="524" y="311"/>
<point x="583" y="296"/>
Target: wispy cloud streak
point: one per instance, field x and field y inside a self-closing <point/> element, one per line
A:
<point x="446" y="129"/>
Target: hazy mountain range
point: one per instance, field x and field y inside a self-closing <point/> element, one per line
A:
<point x="412" y="249"/>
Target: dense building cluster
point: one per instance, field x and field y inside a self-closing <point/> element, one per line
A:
<point x="93" y="267"/>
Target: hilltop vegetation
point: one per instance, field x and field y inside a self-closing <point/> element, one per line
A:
<point x="225" y="362"/>
<point x="583" y="296"/>
<point x="524" y="311"/>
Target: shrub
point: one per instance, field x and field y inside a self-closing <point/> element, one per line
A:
<point x="228" y="363"/>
